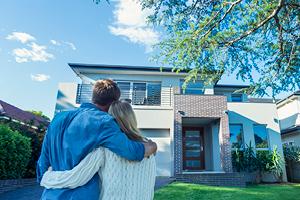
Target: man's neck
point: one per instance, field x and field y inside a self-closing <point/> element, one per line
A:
<point x="103" y="108"/>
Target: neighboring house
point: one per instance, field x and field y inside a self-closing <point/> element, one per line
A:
<point x="289" y="116"/>
<point x="196" y="129"/>
<point x="10" y="113"/>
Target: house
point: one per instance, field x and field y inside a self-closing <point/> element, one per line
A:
<point x="289" y="116"/>
<point x="196" y="129"/>
<point x="10" y="113"/>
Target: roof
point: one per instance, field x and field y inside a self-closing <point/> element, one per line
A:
<point x="231" y="86"/>
<point x="290" y="130"/>
<point x="79" y="67"/>
<point x="297" y="93"/>
<point x="120" y="67"/>
<point x="15" y="113"/>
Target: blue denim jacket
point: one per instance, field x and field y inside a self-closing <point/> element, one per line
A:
<point x="71" y="136"/>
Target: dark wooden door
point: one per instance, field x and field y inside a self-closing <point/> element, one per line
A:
<point x="193" y="148"/>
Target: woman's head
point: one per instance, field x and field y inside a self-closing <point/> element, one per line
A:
<point x="124" y="114"/>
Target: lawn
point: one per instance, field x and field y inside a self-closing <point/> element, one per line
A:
<point x="183" y="191"/>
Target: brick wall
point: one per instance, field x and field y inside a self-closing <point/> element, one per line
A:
<point x="218" y="179"/>
<point x="210" y="106"/>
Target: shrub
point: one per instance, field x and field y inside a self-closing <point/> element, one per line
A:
<point x="36" y="145"/>
<point x="291" y="153"/>
<point x="15" y="152"/>
<point x="271" y="161"/>
<point x="246" y="160"/>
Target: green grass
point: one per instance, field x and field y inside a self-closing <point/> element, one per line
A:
<point x="182" y="191"/>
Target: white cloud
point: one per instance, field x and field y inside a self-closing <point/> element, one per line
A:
<point x="60" y="43"/>
<point x="54" y="42"/>
<point x="71" y="45"/>
<point x="34" y="53"/>
<point x="39" y="77"/>
<point x="20" y="36"/>
<point x="130" y="23"/>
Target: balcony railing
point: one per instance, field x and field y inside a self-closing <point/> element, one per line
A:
<point x="152" y="95"/>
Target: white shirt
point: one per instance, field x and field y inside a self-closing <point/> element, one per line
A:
<point x="121" y="179"/>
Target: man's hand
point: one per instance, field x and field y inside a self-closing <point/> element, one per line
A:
<point x="150" y="148"/>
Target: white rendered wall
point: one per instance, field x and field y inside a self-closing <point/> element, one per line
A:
<point x="289" y="113"/>
<point x="249" y="114"/>
<point x="154" y="121"/>
<point x="66" y="97"/>
<point x="294" y="137"/>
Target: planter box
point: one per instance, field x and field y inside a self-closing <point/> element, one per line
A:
<point x="269" y="177"/>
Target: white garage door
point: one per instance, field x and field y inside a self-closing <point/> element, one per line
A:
<point x="163" y="156"/>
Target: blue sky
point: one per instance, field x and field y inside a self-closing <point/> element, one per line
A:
<point x="38" y="39"/>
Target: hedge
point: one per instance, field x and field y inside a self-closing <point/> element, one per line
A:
<point x="36" y="137"/>
<point x="15" y="152"/>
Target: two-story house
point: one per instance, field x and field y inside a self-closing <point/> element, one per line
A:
<point x="195" y="129"/>
<point x="289" y="116"/>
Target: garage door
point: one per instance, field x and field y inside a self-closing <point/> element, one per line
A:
<point x="163" y="156"/>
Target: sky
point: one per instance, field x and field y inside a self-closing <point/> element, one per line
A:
<point x="39" y="38"/>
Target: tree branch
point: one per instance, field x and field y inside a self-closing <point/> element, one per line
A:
<point x="233" y="4"/>
<point x="259" y="25"/>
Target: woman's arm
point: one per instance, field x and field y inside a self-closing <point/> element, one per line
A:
<point x="78" y="176"/>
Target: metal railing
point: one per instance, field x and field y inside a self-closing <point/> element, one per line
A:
<point x="160" y="96"/>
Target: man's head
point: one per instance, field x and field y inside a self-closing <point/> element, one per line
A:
<point x="104" y="93"/>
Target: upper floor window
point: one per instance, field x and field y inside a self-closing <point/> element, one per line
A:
<point x="125" y="90"/>
<point x="236" y="135"/>
<point x="196" y="87"/>
<point x="141" y="93"/>
<point x="138" y="93"/>
<point x="260" y="136"/>
<point x="236" y="97"/>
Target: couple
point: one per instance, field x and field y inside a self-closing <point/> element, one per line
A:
<point x="90" y="154"/>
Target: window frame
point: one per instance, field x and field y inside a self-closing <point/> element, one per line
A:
<point x="131" y="91"/>
<point x="236" y="94"/>
<point x="182" y="92"/>
<point x="243" y="137"/>
<point x="267" y="137"/>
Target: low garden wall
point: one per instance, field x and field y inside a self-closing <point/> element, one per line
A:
<point x="9" y="185"/>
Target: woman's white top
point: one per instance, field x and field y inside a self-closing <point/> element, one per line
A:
<point x="121" y="179"/>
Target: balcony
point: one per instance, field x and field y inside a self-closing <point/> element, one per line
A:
<point x="138" y="94"/>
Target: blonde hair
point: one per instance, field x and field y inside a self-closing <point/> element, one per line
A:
<point x="124" y="114"/>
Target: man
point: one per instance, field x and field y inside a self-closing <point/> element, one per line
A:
<point x="73" y="134"/>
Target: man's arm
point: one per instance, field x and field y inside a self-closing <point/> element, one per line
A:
<point x="116" y="141"/>
<point x="43" y="163"/>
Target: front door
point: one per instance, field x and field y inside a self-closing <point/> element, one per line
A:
<point x="193" y="148"/>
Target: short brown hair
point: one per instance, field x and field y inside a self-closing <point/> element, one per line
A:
<point x="105" y="92"/>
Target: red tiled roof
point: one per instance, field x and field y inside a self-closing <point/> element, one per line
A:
<point x="15" y="113"/>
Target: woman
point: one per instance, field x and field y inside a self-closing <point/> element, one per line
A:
<point x="121" y="179"/>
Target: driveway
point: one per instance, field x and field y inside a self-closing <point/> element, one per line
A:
<point x="34" y="192"/>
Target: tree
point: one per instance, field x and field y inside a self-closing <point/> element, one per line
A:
<point x="40" y="114"/>
<point x="210" y="38"/>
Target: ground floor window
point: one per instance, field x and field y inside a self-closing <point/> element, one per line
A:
<point x="261" y="136"/>
<point x="236" y="135"/>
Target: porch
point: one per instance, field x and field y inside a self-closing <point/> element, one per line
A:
<point x="201" y="141"/>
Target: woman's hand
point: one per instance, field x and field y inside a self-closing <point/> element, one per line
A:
<point x="150" y="148"/>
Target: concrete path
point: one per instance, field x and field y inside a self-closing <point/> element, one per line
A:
<point x="34" y="192"/>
